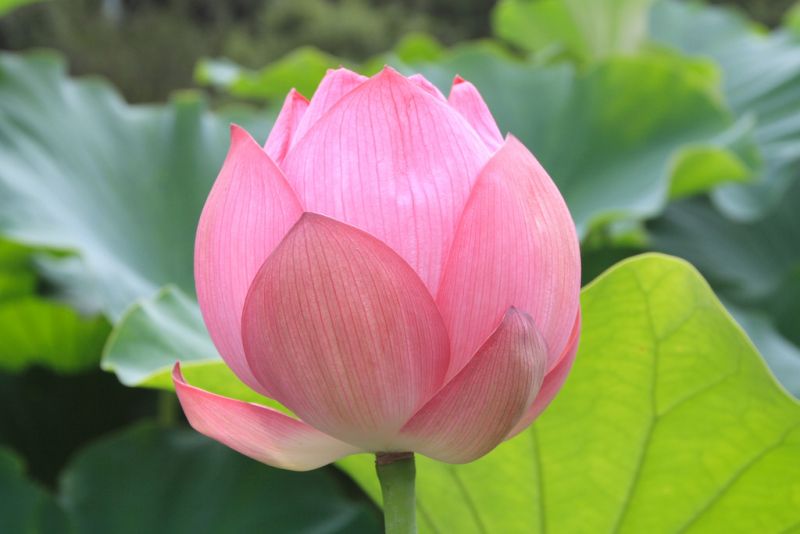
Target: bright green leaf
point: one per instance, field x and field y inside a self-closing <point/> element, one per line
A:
<point x="154" y="480"/>
<point x="669" y="422"/>
<point x="40" y="332"/>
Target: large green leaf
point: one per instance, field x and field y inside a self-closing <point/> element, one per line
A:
<point x="669" y="422"/>
<point x="761" y="77"/>
<point x="585" y="29"/>
<point x="121" y="185"/>
<point x="154" y="480"/>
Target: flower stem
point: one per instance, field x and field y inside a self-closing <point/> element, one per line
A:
<point x="396" y="473"/>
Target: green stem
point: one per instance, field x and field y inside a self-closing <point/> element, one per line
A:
<point x="167" y="408"/>
<point x="396" y="473"/>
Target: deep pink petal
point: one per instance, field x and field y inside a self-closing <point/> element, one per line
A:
<point x="516" y="246"/>
<point x="424" y="84"/>
<point x="335" y="85"/>
<point x="394" y="161"/>
<point x="465" y="98"/>
<point x="280" y="138"/>
<point x="343" y="332"/>
<point x="249" y="210"/>
<point x="474" y="412"/>
<point x="257" y="431"/>
<point x="552" y="382"/>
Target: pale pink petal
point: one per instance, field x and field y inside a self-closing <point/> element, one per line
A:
<point x="335" y="85"/>
<point x="423" y="83"/>
<point x="282" y="133"/>
<point x="465" y="98"/>
<point x="552" y="382"/>
<point x="249" y="210"/>
<point x="343" y="332"/>
<point x="257" y="431"/>
<point x="474" y="412"/>
<point x="395" y="161"/>
<point x="516" y="246"/>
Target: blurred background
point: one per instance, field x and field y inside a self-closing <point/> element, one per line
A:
<point x="149" y="48"/>
<point x="669" y="126"/>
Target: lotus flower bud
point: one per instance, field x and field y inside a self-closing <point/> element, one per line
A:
<point x="389" y="268"/>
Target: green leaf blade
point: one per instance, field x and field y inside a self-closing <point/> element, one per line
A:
<point x="669" y="422"/>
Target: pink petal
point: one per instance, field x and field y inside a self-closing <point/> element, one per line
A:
<point x="249" y="210"/>
<point x="465" y="98"/>
<point x="280" y="138"/>
<point x="343" y="332"/>
<point x="552" y="382"/>
<point x="335" y="85"/>
<point x="516" y="246"/>
<point x="394" y="161"/>
<point x="256" y="431"/>
<point x="474" y="412"/>
<point x="425" y="85"/>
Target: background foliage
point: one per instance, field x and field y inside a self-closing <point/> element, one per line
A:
<point x="669" y="126"/>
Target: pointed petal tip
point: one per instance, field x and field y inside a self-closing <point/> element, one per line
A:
<point x="389" y="73"/>
<point x="457" y="79"/>
<point x="240" y="136"/>
<point x="296" y="95"/>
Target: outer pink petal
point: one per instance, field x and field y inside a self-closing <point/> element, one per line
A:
<point x="343" y="332"/>
<point x="465" y="98"/>
<point x="423" y="83"/>
<point x="256" y="431"/>
<point x="335" y="85"/>
<point x="516" y="246"/>
<point x="395" y="161"/>
<point x="280" y="138"/>
<point x="249" y="210"/>
<point x="552" y="382"/>
<point x="474" y="412"/>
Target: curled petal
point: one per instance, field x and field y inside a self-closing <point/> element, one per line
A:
<point x="395" y="161"/>
<point x="335" y="85"/>
<point x="474" y="412"/>
<point x="249" y="210"/>
<point x="552" y="382"/>
<point x="343" y="332"/>
<point x="465" y="98"/>
<point x="516" y="245"/>
<point x="280" y="138"/>
<point x="256" y="431"/>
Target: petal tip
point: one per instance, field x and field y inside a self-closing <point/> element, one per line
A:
<point x="296" y="96"/>
<point x="240" y="136"/>
<point x="457" y="80"/>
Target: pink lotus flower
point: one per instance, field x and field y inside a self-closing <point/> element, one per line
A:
<point x="390" y="269"/>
